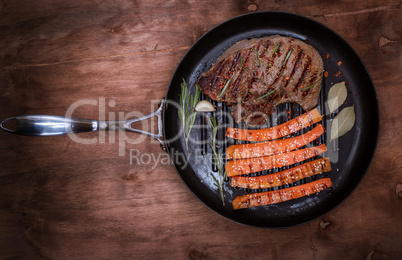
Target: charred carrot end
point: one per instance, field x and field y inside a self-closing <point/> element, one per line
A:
<point x="273" y="197"/>
<point x="294" y="125"/>
<point x="246" y="166"/>
<point x="253" y="150"/>
<point x="285" y="177"/>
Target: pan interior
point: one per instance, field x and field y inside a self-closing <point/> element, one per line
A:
<point x="350" y="154"/>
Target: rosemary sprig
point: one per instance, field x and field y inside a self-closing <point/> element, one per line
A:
<point x="266" y="95"/>
<point x="217" y="159"/>
<point x="258" y="58"/>
<point x="187" y="115"/>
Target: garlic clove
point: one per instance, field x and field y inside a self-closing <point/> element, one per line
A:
<point x="204" y="106"/>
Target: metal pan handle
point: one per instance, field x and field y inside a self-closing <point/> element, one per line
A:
<point x="46" y="125"/>
<point x="127" y="125"/>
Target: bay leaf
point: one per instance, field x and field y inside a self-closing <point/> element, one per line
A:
<point x="336" y="96"/>
<point x="343" y="122"/>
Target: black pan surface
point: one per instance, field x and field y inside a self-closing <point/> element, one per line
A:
<point x="350" y="155"/>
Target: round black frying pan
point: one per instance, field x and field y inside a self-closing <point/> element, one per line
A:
<point x="350" y="154"/>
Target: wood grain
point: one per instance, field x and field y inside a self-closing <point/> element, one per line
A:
<point x="60" y="199"/>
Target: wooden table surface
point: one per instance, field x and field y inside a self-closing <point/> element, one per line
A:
<point x="61" y="199"/>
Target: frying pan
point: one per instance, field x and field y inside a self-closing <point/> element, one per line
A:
<point x="350" y="154"/>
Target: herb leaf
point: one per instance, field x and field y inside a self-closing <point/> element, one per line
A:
<point x="312" y="85"/>
<point x="266" y="95"/>
<point x="241" y="62"/>
<point x="287" y="57"/>
<point x="258" y="58"/>
<point x="343" y="122"/>
<point x="225" y="87"/>
<point x="276" y="47"/>
<point x="186" y="112"/>
<point x="336" y="96"/>
<point x="217" y="159"/>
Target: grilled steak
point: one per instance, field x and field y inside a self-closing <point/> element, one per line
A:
<point x="254" y="76"/>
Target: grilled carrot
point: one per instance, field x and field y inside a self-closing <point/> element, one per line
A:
<point x="246" y="166"/>
<point x="275" y="132"/>
<point x="272" y="197"/>
<point x="253" y="150"/>
<point x="284" y="177"/>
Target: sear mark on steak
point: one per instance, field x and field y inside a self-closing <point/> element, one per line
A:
<point x="289" y="68"/>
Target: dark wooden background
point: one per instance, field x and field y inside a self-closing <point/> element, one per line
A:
<point x="60" y="199"/>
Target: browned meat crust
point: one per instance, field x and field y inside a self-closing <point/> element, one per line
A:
<point x="285" y="68"/>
